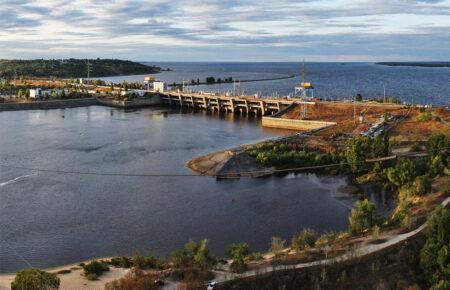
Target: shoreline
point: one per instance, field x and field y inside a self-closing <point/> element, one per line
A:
<point x="74" y="279"/>
<point x="241" y="81"/>
<point x="81" y="102"/>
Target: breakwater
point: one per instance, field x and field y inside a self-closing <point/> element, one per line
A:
<point x="294" y="124"/>
<point x="85" y="102"/>
<point x="47" y="105"/>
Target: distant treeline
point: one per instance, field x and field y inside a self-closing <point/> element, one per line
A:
<point x="72" y="68"/>
<point x="422" y="64"/>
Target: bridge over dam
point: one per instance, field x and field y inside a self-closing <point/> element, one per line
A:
<point x="271" y="110"/>
<point x="213" y="102"/>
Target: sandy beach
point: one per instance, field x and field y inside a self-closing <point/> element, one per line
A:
<point x="73" y="280"/>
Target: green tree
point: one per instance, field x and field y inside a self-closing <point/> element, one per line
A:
<point x="238" y="252"/>
<point x="358" y="98"/>
<point x="35" y="279"/>
<point x="439" y="145"/>
<point x="203" y="258"/>
<point x="363" y="217"/>
<point x="194" y="255"/>
<point x="435" y="254"/>
<point x="20" y="93"/>
<point x="403" y="173"/>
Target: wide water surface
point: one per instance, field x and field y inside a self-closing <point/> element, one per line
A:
<point x="332" y="80"/>
<point x="49" y="219"/>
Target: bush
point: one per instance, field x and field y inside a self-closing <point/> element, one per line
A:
<point x="134" y="280"/>
<point x="403" y="173"/>
<point x="238" y="252"/>
<point x="35" y="279"/>
<point x="277" y="246"/>
<point x="401" y="213"/>
<point x="360" y="148"/>
<point x="306" y="239"/>
<point x="435" y="254"/>
<point x="424" y="116"/>
<point x="363" y="217"/>
<point x="95" y="268"/>
<point x="92" y="277"/>
<point x="122" y="262"/>
<point x="194" y="255"/>
<point x="147" y="262"/>
<point x="255" y="256"/>
<point x="421" y="185"/>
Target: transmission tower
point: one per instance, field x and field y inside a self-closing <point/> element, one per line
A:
<point x="89" y="69"/>
<point x="237" y="88"/>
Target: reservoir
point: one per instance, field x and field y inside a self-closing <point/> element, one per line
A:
<point x="53" y="219"/>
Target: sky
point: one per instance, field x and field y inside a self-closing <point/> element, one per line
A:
<point x="221" y="30"/>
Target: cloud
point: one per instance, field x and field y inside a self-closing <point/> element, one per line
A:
<point x="232" y="30"/>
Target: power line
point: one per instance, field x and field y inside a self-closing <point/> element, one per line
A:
<point x="224" y="175"/>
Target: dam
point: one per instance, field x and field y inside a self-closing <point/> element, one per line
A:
<point x="214" y="102"/>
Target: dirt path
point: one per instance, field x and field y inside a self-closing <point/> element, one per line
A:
<point x="390" y="240"/>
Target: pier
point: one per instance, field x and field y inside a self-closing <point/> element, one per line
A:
<point x="213" y="102"/>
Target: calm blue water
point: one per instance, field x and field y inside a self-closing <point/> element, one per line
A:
<point x="332" y="80"/>
<point x="49" y="219"/>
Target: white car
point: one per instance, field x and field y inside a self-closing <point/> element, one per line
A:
<point x="212" y="285"/>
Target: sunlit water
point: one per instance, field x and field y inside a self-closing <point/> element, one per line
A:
<point x="49" y="219"/>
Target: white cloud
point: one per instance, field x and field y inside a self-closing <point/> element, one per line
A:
<point x="79" y="28"/>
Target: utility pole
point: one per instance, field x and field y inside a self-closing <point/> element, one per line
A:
<point x="89" y="69"/>
<point x="384" y="93"/>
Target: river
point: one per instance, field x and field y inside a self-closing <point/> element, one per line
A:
<point x="50" y="219"/>
<point x="331" y="80"/>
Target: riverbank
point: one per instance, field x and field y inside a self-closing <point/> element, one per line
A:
<point x="155" y="100"/>
<point x="48" y="105"/>
<point x="72" y="278"/>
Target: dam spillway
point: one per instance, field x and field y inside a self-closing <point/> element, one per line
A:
<point x="244" y="105"/>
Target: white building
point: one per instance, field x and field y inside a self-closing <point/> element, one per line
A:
<point x="137" y="93"/>
<point x="159" y="87"/>
<point x="152" y="84"/>
<point x="36" y="93"/>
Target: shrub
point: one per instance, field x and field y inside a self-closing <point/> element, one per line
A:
<point x="92" y="277"/>
<point x="403" y="173"/>
<point x="306" y="239"/>
<point x="424" y="116"/>
<point x="194" y="255"/>
<point x="255" y="256"/>
<point x="96" y="268"/>
<point x="122" y="262"/>
<point x="360" y="148"/>
<point x="277" y="246"/>
<point x="238" y="252"/>
<point x="421" y="185"/>
<point x="435" y="254"/>
<point x="147" y="262"/>
<point x="401" y="213"/>
<point x="135" y="279"/>
<point x="35" y="279"/>
<point x="363" y="217"/>
<point x="436" y="166"/>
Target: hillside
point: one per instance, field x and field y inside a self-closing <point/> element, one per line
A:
<point x="73" y="68"/>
